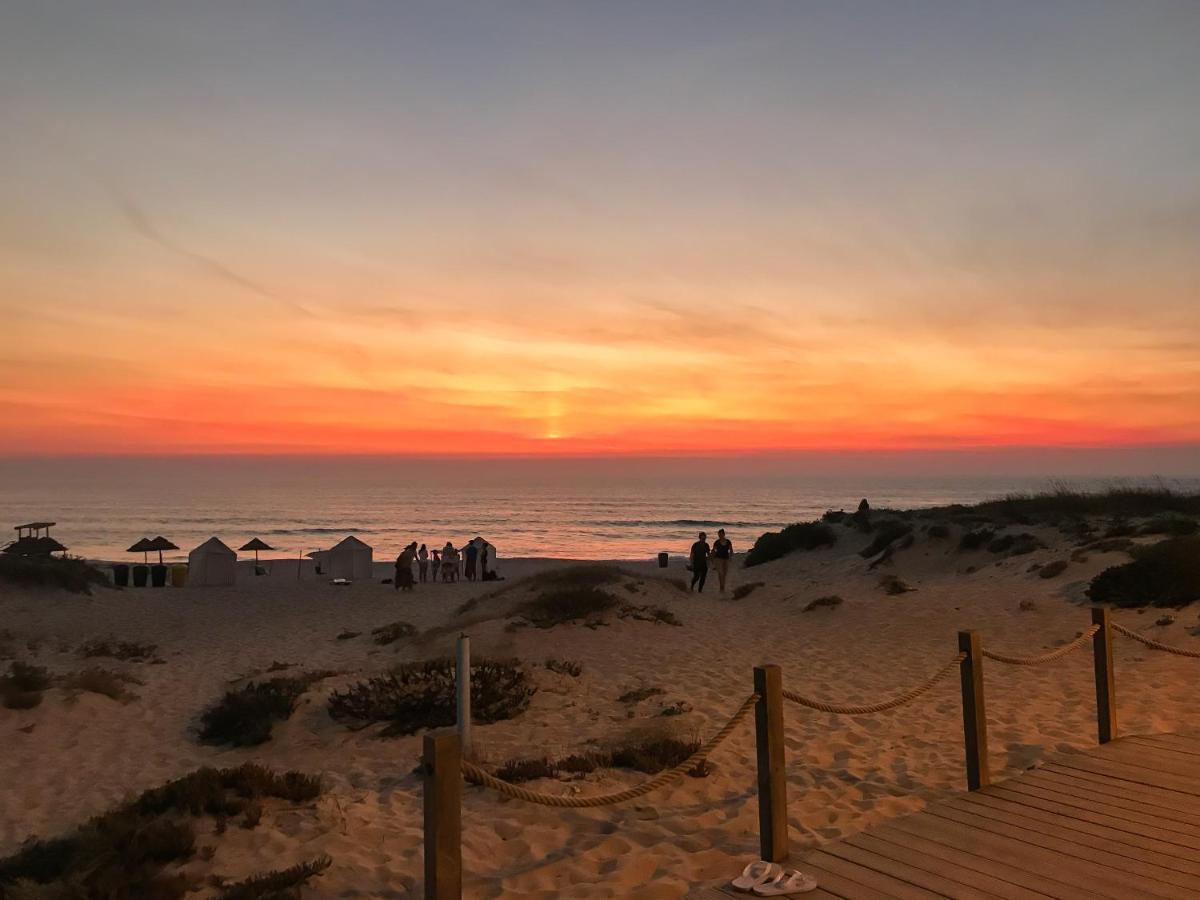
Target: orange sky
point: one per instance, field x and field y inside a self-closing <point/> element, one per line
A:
<point x="598" y="233"/>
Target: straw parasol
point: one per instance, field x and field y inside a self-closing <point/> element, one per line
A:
<point x="144" y="546"/>
<point x="256" y="544"/>
<point x="160" y="544"/>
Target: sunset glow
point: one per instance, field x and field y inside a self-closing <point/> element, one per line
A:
<point x="551" y="230"/>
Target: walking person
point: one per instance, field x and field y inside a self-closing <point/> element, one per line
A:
<point x="699" y="560"/>
<point x="722" y="552"/>
<point x="404" y="572"/>
<point x="471" y="553"/>
<point x="422" y="563"/>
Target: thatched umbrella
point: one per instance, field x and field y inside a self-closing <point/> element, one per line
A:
<point x="256" y="544"/>
<point x="144" y="546"/>
<point x="160" y="544"/>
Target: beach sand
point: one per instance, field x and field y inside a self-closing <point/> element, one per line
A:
<point x="75" y="756"/>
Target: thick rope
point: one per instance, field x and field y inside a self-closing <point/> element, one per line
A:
<point x="1045" y="657"/>
<point x="898" y="700"/>
<point x="480" y="776"/>
<point x="1155" y="645"/>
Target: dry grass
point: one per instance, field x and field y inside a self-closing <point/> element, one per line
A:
<point x="111" y="648"/>
<point x="113" y="685"/>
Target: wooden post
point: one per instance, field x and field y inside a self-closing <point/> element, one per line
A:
<point x="462" y="677"/>
<point x="772" y="774"/>
<point x="1106" y="692"/>
<point x="442" y="763"/>
<point x="974" y="712"/>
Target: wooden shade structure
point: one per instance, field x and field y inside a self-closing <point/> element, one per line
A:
<point x="256" y="544"/>
<point x="160" y="544"/>
<point x="143" y="547"/>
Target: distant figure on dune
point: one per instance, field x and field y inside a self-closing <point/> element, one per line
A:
<point x="722" y="552"/>
<point x="699" y="560"/>
<point x="423" y="563"/>
<point x="471" y="552"/>
<point x="404" y="571"/>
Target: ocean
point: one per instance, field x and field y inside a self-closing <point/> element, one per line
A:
<point x="562" y="508"/>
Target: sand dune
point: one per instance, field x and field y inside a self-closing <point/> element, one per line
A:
<point x="73" y="757"/>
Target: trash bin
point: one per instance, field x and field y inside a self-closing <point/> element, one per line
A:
<point x="140" y="574"/>
<point x="158" y="576"/>
<point x="178" y="576"/>
<point x="662" y="560"/>
<point x="120" y="575"/>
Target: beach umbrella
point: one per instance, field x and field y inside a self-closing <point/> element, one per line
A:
<point x="256" y="544"/>
<point x="160" y="544"/>
<point x="143" y="547"/>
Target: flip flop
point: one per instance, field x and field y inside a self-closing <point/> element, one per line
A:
<point x="758" y="872"/>
<point x="786" y="884"/>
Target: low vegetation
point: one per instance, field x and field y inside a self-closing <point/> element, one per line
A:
<point x="649" y="755"/>
<point x="282" y="884"/>
<point x="655" y="614"/>
<point x="637" y="695"/>
<point x="742" y="591"/>
<point x="1064" y="502"/>
<point x="94" y="680"/>
<point x="938" y="531"/>
<point x="1174" y="525"/>
<point x="975" y="540"/>
<point x="1162" y="574"/>
<point x="893" y="585"/>
<point x="414" y="696"/>
<point x="885" y="533"/>
<point x="246" y="717"/>
<point x="801" y="536"/>
<point x="68" y="573"/>
<point x="389" y="634"/>
<point x="565" y="667"/>
<point x="22" y="687"/>
<point x="565" y="605"/>
<point x="1015" y="544"/>
<point x="1053" y="569"/>
<point x="830" y="602"/>
<point x="110" y="648"/>
<point x="123" y="853"/>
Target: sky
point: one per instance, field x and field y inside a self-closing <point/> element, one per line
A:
<point x="599" y="228"/>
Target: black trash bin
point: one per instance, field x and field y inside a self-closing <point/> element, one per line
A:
<point x="120" y="575"/>
<point x="140" y="574"/>
<point x="662" y="560"/>
<point x="158" y="576"/>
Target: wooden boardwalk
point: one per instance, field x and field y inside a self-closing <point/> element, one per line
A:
<point x="1120" y="821"/>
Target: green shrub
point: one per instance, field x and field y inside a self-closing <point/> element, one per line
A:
<point x="1110" y="545"/>
<point x="245" y="717"/>
<point x="282" y="884"/>
<point x="830" y="602"/>
<point x="800" y="536"/>
<point x="655" y="614"/>
<point x="26" y="677"/>
<point x="637" y="695"/>
<point x="423" y="695"/>
<point x="120" y="854"/>
<point x="893" y="585"/>
<point x="1174" y="525"/>
<point x="389" y="634"/>
<point x="126" y="651"/>
<point x="1162" y="574"/>
<point x="1065" y="502"/>
<point x="565" y="605"/>
<point x="742" y="591"/>
<point x="885" y="533"/>
<point x="939" y="531"/>
<point x="565" y="667"/>
<point x="1053" y="569"/>
<point x="974" y="540"/>
<point x="113" y="685"/>
<point x="647" y="755"/>
<point x="69" y="573"/>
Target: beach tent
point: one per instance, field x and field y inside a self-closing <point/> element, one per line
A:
<point x="481" y="544"/>
<point x="350" y="558"/>
<point x="212" y="564"/>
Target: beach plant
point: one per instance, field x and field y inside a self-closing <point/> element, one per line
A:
<point x="389" y="634"/>
<point x="22" y="687"/>
<point x="282" y="884"/>
<point x="830" y="602"/>
<point x="1166" y="574"/>
<point x="94" y="680"/>
<point x="974" y="540"/>
<point x="565" y="605"/>
<point x="121" y="854"/>
<point x="565" y="667"/>
<point x="245" y="717"/>
<point x="348" y="635"/>
<point x="637" y="695"/>
<point x="649" y="755"/>
<point x="1171" y="524"/>
<point x="1053" y="569"/>
<point x="742" y="591"/>
<point x="938" y="531"/>
<point x="655" y="614"/>
<point x="126" y="651"/>
<point x="893" y="585"/>
<point x="1110" y="545"/>
<point x="800" y="536"/>
<point x="69" y="573"/>
<point x="885" y="534"/>
<point x="413" y="696"/>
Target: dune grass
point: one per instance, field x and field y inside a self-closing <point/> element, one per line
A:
<point x="111" y="648"/>
<point x="122" y="854"/>
<point x="742" y="591"/>
<point x="22" y="687"/>
<point x="246" y="717"/>
<point x="800" y="536"/>
<point x="414" y="696"/>
<point x="1166" y="574"/>
<point x="69" y="573"/>
<point x="649" y="755"/>
<point x="282" y="884"/>
<point x="395" y="631"/>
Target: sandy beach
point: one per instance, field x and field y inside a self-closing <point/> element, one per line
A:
<point x="78" y="754"/>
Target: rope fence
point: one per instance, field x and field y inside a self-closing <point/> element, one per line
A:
<point x="445" y="769"/>
<point x="1045" y="657"/>
<point x="508" y="789"/>
<point x="1154" y="645"/>
<point x="899" y="700"/>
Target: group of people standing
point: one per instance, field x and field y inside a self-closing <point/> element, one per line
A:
<point x="473" y="562"/>
<point x="719" y="554"/>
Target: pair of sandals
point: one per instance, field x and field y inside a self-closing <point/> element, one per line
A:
<point x="768" y="879"/>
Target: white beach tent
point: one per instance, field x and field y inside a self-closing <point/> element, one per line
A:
<point x="350" y="558"/>
<point x="480" y="543"/>
<point x="212" y="564"/>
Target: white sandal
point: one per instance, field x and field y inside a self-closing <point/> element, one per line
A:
<point x="786" y="884"/>
<point x="757" y="873"/>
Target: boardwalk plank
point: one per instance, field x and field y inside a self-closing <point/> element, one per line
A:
<point x="883" y="883"/>
<point x="1091" y="838"/>
<point x="852" y="886"/>
<point x="1187" y="748"/>
<point x="1131" y="866"/>
<point x="964" y="882"/>
<point x="1152" y="796"/>
<point x="937" y="882"/>
<point x="1121" y="772"/>
<point x="1131" y="811"/>
<point x="1111" y="794"/>
<point x="1152" y="758"/>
